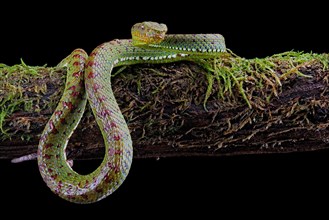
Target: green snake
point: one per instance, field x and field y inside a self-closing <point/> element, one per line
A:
<point x="89" y="79"/>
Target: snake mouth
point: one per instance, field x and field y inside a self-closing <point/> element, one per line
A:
<point x="146" y="38"/>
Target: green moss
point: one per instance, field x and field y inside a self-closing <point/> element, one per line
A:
<point x="234" y="73"/>
<point x="230" y="78"/>
<point x="16" y="95"/>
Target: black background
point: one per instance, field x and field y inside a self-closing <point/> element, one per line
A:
<point x="251" y="185"/>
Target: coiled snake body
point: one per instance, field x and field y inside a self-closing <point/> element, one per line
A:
<point x="92" y="74"/>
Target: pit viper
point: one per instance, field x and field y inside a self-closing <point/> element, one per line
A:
<point x="89" y="80"/>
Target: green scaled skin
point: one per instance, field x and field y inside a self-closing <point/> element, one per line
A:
<point x="89" y="76"/>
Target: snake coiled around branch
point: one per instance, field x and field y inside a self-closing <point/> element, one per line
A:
<point x="89" y="79"/>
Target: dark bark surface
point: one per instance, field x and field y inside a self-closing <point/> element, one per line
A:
<point x="163" y="106"/>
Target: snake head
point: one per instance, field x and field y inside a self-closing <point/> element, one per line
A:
<point x="148" y="32"/>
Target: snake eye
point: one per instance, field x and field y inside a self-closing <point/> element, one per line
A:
<point x="142" y="27"/>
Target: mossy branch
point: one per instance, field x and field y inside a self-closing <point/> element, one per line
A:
<point x="223" y="106"/>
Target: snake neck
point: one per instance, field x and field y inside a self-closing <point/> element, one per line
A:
<point x="192" y="44"/>
<point x="172" y="48"/>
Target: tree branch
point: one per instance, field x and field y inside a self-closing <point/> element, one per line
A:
<point x="224" y="106"/>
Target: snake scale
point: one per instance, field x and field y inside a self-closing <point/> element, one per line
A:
<point x="89" y="79"/>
